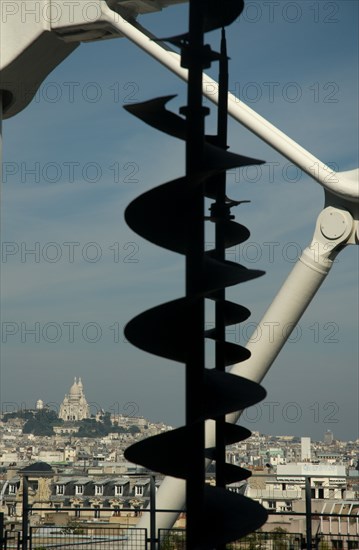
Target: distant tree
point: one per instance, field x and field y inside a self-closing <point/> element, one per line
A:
<point x="133" y="429"/>
<point x="89" y="427"/>
<point x="280" y="541"/>
<point x="253" y="541"/>
<point x="47" y="416"/>
<point x="106" y="419"/>
<point x="18" y="414"/>
<point x="72" y="528"/>
<point x="324" y="545"/>
<point x="173" y="541"/>
<point x="41" y="423"/>
<point x="119" y="429"/>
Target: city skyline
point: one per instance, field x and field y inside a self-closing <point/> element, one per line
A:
<point x="73" y="274"/>
<point x="131" y="410"/>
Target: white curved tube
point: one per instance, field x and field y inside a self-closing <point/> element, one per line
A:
<point x="334" y="182"/>
<point x="281" y="318"/>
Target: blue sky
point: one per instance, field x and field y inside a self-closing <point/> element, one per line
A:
<point x="74" y="159"/>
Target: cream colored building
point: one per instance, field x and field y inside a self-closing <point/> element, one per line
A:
<point x="74" y="405"/>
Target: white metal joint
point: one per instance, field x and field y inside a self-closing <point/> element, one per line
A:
<point x="334" y="228"/>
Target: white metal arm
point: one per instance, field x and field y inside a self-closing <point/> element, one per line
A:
<point x="337" y="183"/>
<point x="30" y="51"/>
<point x="36" y="36"/>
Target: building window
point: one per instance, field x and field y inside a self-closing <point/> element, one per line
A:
<point x="96" y="512"/>
<point x="79" y="489"/>
<point x="119" y="490"/>
<point x="60" y="489"/>
<point x="139" y="490"/>
<point x="98" y="489"/>
<point x="12" y="509"/>
<point x="12" y="489"/>
<point x="271" y="504"/>
<point x="77" y="511"/>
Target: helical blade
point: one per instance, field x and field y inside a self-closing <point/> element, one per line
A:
<point x="229" y="516"/>
<point x="172" y="216"/>
<point x="166" y="453"/>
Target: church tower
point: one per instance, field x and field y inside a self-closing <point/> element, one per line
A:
<point x="74" y="406"/>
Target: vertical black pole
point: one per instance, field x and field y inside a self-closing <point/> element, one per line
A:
<point x="222" y="116"/>
<point x="152" y="512"/>
<point x="25" y="512"/>
<point x="2" y="534"/>
<point x="221" y="214"/>
<point x="195" y="274"/>
<point x="308" y="512"/>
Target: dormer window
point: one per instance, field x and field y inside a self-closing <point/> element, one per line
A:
<point x="119" y="490"/>
<point x="60" y="489"/>
<point x="12" y="489"/>
<point x="79" y="489"/>
<point x="98" y="489"/>
<point x="139" y="490"/>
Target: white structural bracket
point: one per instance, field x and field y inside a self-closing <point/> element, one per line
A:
<point x="334" y="229"/>
<point x="35" y="36"/>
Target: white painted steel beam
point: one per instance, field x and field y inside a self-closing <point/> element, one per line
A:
<point x="338" y="183"/>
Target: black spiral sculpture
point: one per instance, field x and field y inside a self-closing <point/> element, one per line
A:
<point x="172" y="216"/>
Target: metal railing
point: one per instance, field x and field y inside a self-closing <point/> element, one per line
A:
<point x="63" y="537"/>
<point x="10" y="540"/>
<point x="337" y="542"/>
<point x="117" y="537"/>
<point x="94" y="537"/>
<point x="175" y="539"/>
